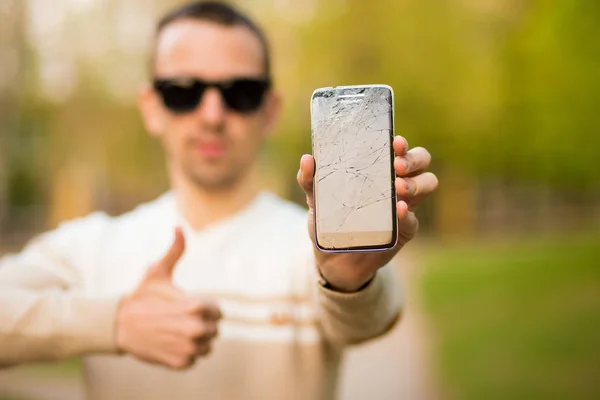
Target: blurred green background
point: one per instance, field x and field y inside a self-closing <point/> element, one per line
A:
<point x="504" y="93"/>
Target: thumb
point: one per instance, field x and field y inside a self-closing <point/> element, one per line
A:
<point x="305" y="177"/>
<point x="163" y="269"/>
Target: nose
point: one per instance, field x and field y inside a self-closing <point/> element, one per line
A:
<point x="211" y="109"/>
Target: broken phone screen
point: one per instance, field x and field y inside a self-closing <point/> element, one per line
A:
<point x="352" y="134"/>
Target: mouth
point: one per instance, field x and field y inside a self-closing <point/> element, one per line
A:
<point x="210" y="149"/>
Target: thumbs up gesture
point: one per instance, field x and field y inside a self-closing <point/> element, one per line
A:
<point x="160" y="324"/>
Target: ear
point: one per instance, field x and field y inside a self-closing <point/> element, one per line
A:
<point x="152" y="111"/>
<point x="273" y="103"/>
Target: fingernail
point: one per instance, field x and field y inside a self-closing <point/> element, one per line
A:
<point x="404" y="164"/>
<point x="301" y="162"/>
<point x="407" y="188"/>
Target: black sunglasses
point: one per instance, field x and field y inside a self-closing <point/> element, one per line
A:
<point x="243" y="95"/>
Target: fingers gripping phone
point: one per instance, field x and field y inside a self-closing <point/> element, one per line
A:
<point x="354" y="193"/>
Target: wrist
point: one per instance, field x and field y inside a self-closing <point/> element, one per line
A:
<point x="122" y="317"/>
<point x="347" y="285"/>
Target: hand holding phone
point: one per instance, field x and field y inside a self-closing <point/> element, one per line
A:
<point x="347" y="270"/>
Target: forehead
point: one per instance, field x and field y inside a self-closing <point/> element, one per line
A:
<point x="208" y="50"/>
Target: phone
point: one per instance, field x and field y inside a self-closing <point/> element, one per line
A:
<point x="354" y="193"/>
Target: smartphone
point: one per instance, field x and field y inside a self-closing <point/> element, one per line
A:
<point x="352" y="129"/>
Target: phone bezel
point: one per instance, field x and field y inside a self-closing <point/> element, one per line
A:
<point x="357" y="89"/>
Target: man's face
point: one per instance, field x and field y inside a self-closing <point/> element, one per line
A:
<point x="212" y="145"/>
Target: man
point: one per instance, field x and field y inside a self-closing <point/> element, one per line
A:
<point x="132" y="299"/>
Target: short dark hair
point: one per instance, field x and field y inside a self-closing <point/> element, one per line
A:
<point x="220" y="13"/>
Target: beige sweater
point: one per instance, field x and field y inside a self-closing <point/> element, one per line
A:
<point x="282" y="335"/>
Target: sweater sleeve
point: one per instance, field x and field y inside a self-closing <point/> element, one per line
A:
<point x="351" y="318"/>
<point x="45" y="313"/>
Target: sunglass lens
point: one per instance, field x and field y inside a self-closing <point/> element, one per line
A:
<point x="245" y="95"/>
<point x="180" y="98"/>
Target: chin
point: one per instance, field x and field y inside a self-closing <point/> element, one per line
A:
<point x="214" y="181"/>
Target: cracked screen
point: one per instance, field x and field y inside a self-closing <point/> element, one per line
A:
<point x="354" y="192"/>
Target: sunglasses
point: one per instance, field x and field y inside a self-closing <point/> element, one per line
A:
<point x="243" y="95"/>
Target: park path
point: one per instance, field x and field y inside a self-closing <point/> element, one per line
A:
<point x="395" y="367"/>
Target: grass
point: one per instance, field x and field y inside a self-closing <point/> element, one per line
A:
<point x="58" y="372"/>
<point x="71" y="367"/>
<point x="517" y="320"/>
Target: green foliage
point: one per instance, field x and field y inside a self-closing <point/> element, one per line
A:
<point x="511" y="91"/>
<point x="502" y="89"/>
<point x="552" y="79"/>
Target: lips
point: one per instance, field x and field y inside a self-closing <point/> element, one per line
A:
<point x="211" y="149"/>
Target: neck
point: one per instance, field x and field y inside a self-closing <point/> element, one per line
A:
<point x="201" y="206"/>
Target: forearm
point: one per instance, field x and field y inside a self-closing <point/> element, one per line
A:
<point x="53" y="325"/>
<point x="349" y="318"/>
